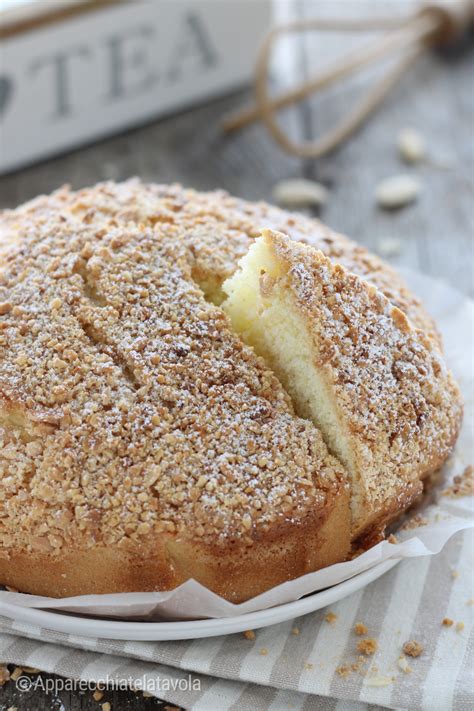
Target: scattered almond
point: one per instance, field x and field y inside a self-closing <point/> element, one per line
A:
<point x="295" y="631"/>
<point x="379" y="681"/>
<point x="360" y="628"/>
<point x="331" y="617"/>
<point x="411" y="145"/>
<point x="299" y="192"/>
<point x="16" y="673"/>
<point x="389" y="246"/>
<point x="263" y="651"/>
<point x="249" y="634"/>
<point x="403" y="664"/>
<point x="397" y="191"/>
<point x="447" y="622"/>
<point x="459" y="626"/>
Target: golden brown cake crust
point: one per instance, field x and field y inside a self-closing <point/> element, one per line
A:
<point x="132" y="417"/>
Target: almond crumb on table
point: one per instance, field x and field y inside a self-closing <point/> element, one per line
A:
<point x="459" y="626"/>
<point x="331" y="617"/>
<point x="295" y="631"/>
<point x="412" y="648"/>
<point x="447" y="622"/>
<point x="367" y="646"/>
<point x="249" y="634"/>
<point x="263" y="651"/>
<point x="360" y="628"/>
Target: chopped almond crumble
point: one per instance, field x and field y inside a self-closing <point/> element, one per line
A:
<point x="249" y="634"/>
<point x="360" y="628"/>
<point x="331" y="617"/>
<point x="462" y="485"/>
<point x="413" y="648"/>
<point x="367" y="646"/>
<point x="448" y="622"/>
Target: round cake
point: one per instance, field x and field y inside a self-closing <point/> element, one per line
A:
<point x="146" y="438"/>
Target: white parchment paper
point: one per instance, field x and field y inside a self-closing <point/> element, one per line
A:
<point x="444" y="516"/>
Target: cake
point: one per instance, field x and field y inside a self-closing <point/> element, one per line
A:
<point x="352" y="363"/>
<point x="143" y="442"/>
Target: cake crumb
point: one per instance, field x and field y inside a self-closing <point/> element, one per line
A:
<point x="106" y="706"/>
<point x="447" y="622"/>
<point x="295" y="631"/>
<point x="414" y="522"/>
<point x="263" y="651"/>
<point x="412" y="648"/>
<point x="360" y="628"/>
<point x="344" y="670"/>
<point x="403" y="664"/>
<point x="4" y="674"/>
<point x="367" y="646"/>
<point x="459" y="626"/>
<point x="462" y="485"/>
<point x="97" y="695"/>
<point x="392" y="539"/>
<point x="331" y="617"/>
<point x="249" y="634"/>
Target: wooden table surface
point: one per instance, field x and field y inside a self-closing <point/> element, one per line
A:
<point x="434" y="235"/>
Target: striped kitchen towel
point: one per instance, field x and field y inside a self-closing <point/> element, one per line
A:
<point x="307" y="663"/>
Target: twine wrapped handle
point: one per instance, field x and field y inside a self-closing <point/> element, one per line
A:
<point x="432" y="25"/>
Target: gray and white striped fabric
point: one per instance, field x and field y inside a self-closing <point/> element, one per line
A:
<point x="299" y="671"/>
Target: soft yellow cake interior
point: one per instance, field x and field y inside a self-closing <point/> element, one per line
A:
<point x="271" y="323"/>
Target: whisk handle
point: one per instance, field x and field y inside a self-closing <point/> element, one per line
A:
<point x="455" y="17"/>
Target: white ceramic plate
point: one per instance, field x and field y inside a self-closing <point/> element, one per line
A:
<point x="158" y="631"/>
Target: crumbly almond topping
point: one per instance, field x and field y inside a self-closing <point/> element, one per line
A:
<point x="216" y="228"/>
<point x="447" y="622"/>
<point x="412" y="648"/>
<point x="360" y="629"/>
<point x="128" y="405"/>
<point x="367" y="646"/>
<point x="331" y="617"/>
